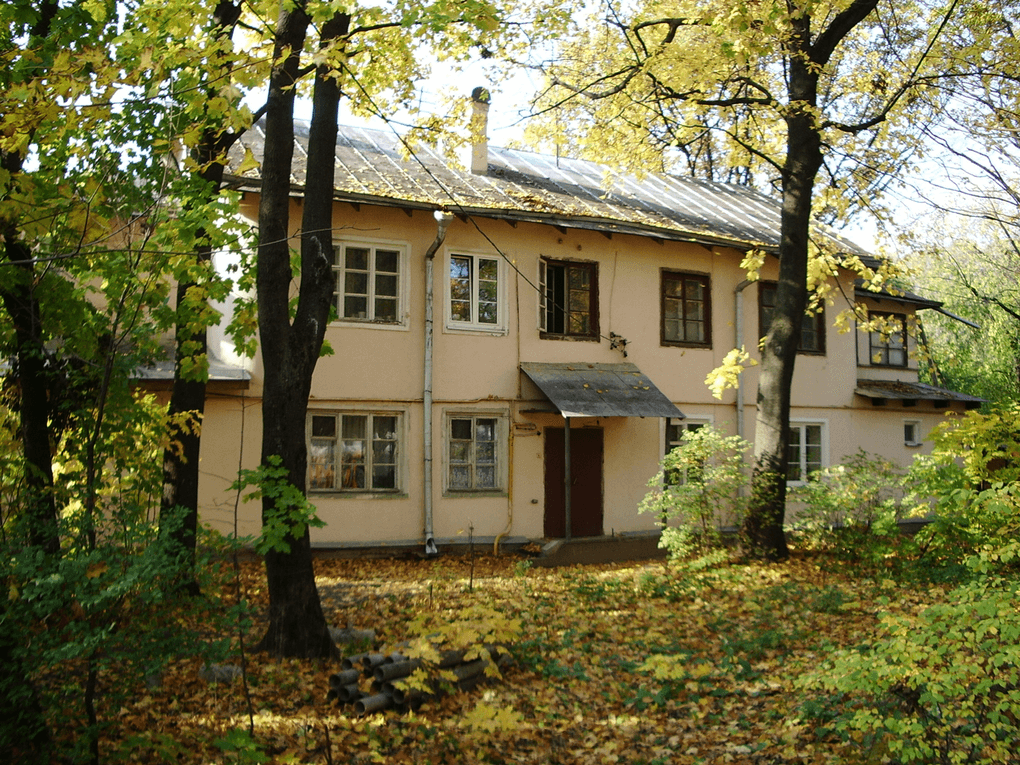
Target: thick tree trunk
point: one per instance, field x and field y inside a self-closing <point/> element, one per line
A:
<point x="762" y="532"/>
<point x="24" y="735"/>
<point x="22" y="306"/>
<point x="297" y="626"/>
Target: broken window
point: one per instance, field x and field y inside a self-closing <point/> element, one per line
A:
<point x="569" y="299"/>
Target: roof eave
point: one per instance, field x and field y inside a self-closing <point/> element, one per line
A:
<point x="587" y="223"/>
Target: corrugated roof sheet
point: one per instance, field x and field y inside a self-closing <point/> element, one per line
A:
<point x="897" y="389"/>
<point x="600" y="390"/>
<point x="901" y="296"/>
<point x="372" y="167"/>
<point x="219" y="371"/>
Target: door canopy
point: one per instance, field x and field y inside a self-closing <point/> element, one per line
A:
<point x="600" y="390"/>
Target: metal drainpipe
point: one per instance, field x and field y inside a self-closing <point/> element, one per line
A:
<point x="442" y="223"/>
<point x="738" y="332"/>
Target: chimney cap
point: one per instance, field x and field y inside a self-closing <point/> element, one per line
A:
<point x="481" y="95"/>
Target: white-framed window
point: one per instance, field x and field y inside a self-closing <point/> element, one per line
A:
<point x="475" y="452"/>
<point x="474" y="293"/>
<point x="354" y="451"/>
<point x="807" y="446"/>
<point x="370" y="282"/>
<point x="674" y="433"/>
<point x="912" y="432"/>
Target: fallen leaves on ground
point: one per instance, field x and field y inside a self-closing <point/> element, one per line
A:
<point x="617" y="664"/>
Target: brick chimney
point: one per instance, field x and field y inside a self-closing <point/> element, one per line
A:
<point x="478" y="159"/>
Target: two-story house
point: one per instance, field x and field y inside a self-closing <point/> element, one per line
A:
<point x="519" y="333"/>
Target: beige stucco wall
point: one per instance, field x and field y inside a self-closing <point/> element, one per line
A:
<point x="379" y="368"/>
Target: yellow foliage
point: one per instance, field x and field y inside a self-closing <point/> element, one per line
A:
<point x="728" y="373"/>
<point x="486" y="717"/>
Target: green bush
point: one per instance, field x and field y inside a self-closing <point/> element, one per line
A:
<point x="941" y="686"/>
<point x="850" y="509"/>
<point x="699" y="492"/>
<point x="969" y="484"/>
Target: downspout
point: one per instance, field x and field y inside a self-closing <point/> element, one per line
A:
<point x="738" y="335"/>
<point x="442" y="223"/>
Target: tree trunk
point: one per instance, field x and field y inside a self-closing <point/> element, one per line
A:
<point x="24" y="735"/>
<point x="297" y="626"/>
<point x="762" y="532"/>
<point x="22" y="306"/>
<point x="179" y="502"/>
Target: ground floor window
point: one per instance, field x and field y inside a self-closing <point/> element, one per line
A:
<point x="675" y="429"/>
<point x="475" y="445"/>
<point x="912" y="432"/>
<point x="353" y="451"/>
<point x="804" y="449"/>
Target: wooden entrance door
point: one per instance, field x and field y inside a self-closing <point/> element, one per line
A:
<point x="586" y="483"/>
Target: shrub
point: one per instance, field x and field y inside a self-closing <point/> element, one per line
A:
<point x="942" y="686"/>
<point x="699" y="492"/>
<point x="851" y="509"/>
<point x="969" y="484"/>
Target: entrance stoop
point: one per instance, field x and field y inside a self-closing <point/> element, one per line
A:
<point x="614" y="549"/>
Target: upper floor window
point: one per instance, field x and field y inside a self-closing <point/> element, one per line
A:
<point x="888" y="340"/>
<point x="353" y="451"/>
<point x="804" y="449"/>
<point x="686" y="315"/>
<point x="812" y="326"/>
<point x="570" y="298"/>
<point x="475" y="292"/>
<point x="368" y="283"/>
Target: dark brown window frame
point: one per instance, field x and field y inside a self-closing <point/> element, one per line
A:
<point x="560" y="303"/>
<point x="818" y="319"/>
<point x="883" y="347"/>
<point x="706" y="281"/>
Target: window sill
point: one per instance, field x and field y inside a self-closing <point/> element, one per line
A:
<point x="334" y="494"/>
<point x="702" y="346"/>
<point x="576" y="338"/>
<point x="370" y="324"/>
<point x="474" y="493"/>
<point x="475" y="329"/>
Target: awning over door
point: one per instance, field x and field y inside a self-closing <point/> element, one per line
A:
<point x="600" y="390"/>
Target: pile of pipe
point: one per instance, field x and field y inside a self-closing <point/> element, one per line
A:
<point x="381" y="673"/>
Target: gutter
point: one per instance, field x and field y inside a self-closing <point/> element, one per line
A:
<point x="442" y="223"/>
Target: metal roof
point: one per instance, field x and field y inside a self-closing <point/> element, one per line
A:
<point x="897" y="389"/>
<point x="600" y="390"/>
<point x="899" y="296"/>
<point x="374" y="167"/>
<point x="220" y="372"/>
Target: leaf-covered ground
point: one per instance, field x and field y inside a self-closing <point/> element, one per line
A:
<point x="615" y="663"/>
